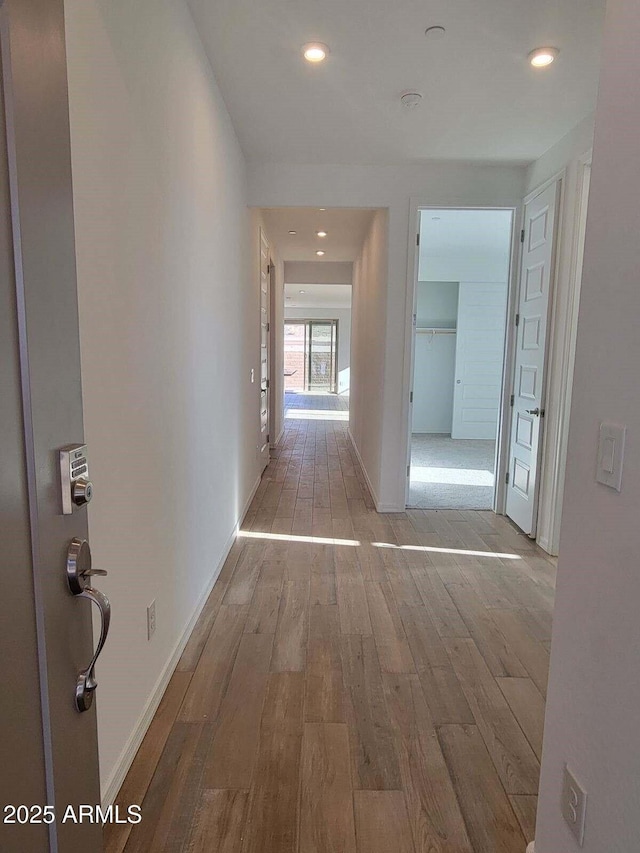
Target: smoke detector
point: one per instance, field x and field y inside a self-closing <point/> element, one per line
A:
<point x="410" y="100"/>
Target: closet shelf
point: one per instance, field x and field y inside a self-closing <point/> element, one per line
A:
<point x="430" y="330"/>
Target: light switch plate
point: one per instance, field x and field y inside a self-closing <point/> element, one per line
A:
<point x="151" y="619"/>
<point x="611" y="455"/>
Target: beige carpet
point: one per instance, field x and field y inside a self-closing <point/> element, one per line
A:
<point x="451" y="473"/>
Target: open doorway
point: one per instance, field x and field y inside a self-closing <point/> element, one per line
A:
<point x="317" y="333"/>
<point x="318" y="248"/>
<point x="460" y="323"/>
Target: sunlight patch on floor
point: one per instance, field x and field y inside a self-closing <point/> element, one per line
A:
<point x="354" y="543"/>
<point x="316" y="415"/>
<point x="452" y="476"/>
<point x="462" y="552"/>
<point x="290" y="537"/>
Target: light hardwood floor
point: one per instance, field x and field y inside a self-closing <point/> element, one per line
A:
<point x="356" y="683"/>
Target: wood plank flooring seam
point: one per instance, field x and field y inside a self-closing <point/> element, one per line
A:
<point x="402" y="704"/>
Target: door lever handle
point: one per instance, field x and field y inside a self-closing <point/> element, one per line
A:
<point x="539" y="413"/>
<point x="79" y="573"/>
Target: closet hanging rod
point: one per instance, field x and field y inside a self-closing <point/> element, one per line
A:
<point x="423" y="330"/>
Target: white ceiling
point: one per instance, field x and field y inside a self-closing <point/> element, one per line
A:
<point x="317" y="296"/>
<point x="346" y="229"/>
<point x="482" y="100"/>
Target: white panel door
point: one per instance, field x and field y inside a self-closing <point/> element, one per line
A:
<point x="265" y="278"/>
<point x="536" y="277"/>
<point x="479" y="359"/>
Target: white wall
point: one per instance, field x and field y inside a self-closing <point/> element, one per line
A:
<point x="433" y="380"/>
<point x="392" y="187"/>
<point x="466" y="267"/>
<point x="437" y="304"/>
<point x="368" y="330"/>
<point x="169" y="333"/>
<point x="565" y="156"/>
<point x="435" y="357"/>
<point x="464" y="245"/>
<point x="343" y="316"/>
<point x="318" y="272"/>
<point x="594" y="687"/>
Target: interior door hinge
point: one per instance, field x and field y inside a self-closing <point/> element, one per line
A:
<point x="522" y="236"/>
<point x="267" y="383"/>
<point x="513" y="399"/>
<point x="411" y="396"/>
<point x="268" y="326"/>
<point x="418" y="239"/>
<point x="506" y="478"/>
<point x="408" y="470"/>
<point x="517" y="319"/>
<point x="268" y="438"/>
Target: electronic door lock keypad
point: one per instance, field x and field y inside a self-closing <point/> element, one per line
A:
<point x="77" y="489"/>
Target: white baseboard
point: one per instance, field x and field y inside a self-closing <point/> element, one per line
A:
<point x="390" y="508"/>
<point x="249" y="501"/>
<point x="380" y="507"/>
<point x="278" y="439"/>
<point x="545" y="544"/>
<point x="124" y="762"/>
<point x="364" y="470"/>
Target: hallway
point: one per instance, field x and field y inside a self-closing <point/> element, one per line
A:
<point x="356" y="681"/>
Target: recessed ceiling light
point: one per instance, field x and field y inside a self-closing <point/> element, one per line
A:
<point x="543" y="56"/>
<point x="322" y="208"/>
<point x="410" y="100"/>
<point x="434" y="33"/>
<point x="315" y="51"/>
<point x="301" y="291"/>
<point x="320" y="252"/>
<point x="293" y="232"/>
<point x="321" y="233"/>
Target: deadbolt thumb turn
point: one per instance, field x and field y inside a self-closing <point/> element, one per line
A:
<point x="79" y="574"/>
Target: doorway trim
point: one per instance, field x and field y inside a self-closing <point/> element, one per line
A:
<point x="413" y="256"/>
<point x="556" y="442"/>
<point x="264" y="373"/>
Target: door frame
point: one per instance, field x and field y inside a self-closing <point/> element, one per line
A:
<point x="264" y="448"/>
<point x="413" y="254"/>
<point x="298" y="321"/>
<point x="273" y="439"/>
<point x="552" y="489"/>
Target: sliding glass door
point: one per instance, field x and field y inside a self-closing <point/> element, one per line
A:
<point x="322" y="355"/>
<point x="310" y="355"/>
